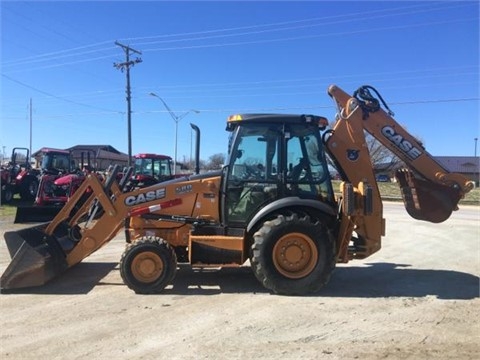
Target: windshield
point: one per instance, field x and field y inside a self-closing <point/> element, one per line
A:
<point x="153" y="167"/>
<point x="59" y="162"/>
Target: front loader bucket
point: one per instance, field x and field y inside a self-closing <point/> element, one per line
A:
<point x="426" y="200"/>
<point x="29" y="214"/>
<point x="36" y="258"/>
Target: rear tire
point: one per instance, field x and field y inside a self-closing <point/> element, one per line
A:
<point x="292" y="255"/>
<point x="148" y="265"/>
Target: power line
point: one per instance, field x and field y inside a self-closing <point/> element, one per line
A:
<point x="310" y="36"/>
<point x="242" y="43"/>
<point x="295" y="83"/>
<point x="65" y="53"/>
<point x="322" y="22"/>
<point x="323" y="19"/>
<point x="245" y="110"/>
<point x="205" y="91"/>
<point x="54" y="96"/>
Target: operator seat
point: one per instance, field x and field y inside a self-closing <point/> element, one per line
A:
<point x="297" y="169"/>
<point x="296" y="173"/>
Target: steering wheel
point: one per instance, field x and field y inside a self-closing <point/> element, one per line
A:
<point x="236" y="181"/>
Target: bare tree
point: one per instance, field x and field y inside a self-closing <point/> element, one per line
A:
<point x="215" y="162"/>
<point x="190" y="164"/>
<point x="383" y="160"/>
<point x="381" y="157"/>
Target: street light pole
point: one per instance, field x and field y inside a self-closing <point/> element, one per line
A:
<point x="175" y="152"/>
<point x="475" y="146"/>
<point x="177" y="120"/>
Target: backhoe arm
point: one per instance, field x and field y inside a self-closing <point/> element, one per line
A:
<point x="429" y="191"/>
<point x="392" y="135"/>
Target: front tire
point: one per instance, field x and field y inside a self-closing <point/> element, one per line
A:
<point x="293" y="255"/>
<point x="29" y="188"/>
<point x="148" y="265"/>
<point x="7" y="194"/>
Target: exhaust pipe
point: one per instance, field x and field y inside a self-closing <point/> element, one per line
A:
<point x="197" y="147"/>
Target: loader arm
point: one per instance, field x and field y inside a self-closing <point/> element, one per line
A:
<point x="92" y="217"/>
<point x="429" y="191"/>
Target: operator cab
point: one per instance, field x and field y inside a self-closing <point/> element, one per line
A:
<point x="56" y="162"/>
<point x="272" y="157"/>
<point x="151" y="169"/>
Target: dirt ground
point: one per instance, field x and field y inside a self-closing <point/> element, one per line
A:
<point x="418" y="298"/>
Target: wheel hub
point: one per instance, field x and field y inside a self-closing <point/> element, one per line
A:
<point x="147" y="267"/>
<point x="295" y="255"/>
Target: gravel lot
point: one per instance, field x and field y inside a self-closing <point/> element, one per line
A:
<point x="417" y="298"/>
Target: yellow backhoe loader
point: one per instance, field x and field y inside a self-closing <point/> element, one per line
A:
<point x="272" y="203"/>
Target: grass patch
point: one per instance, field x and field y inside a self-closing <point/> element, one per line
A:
<point x="473" y="197"/>
<point x="391" y="191"/>
<point x="8" y="209"/>
<point x="11" y="208"/>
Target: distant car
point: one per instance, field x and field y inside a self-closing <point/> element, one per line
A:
<point x="383" y="178"/>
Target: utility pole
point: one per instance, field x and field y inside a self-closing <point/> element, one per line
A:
<point x="30" y="149"/>
<point x="122" y="66"/>
<point x="475" y="146"/>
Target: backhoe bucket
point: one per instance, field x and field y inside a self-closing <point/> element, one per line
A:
<point x="425" y="200"/>
<point x="36" y="258"/>
<point x="33" y="213"/>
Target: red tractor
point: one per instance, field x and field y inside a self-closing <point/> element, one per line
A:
<point x="5" y="184"/>
<point x="51" y="164"/>
<point x="55" y="189"/>
<point x="19" y="177"/>
<point x="150" y="169"/>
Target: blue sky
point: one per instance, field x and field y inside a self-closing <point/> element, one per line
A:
<point x="224" y="57"/>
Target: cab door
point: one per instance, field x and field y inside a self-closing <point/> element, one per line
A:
<point x="253" y="174"/>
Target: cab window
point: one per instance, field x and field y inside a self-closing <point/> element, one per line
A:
<point x="253" y="172"/>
